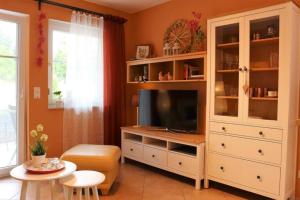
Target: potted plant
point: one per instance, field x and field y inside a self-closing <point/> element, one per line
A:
<point x="59" y="102"/>
<point x="38" y="149"/>
<point x="198" y="35"/>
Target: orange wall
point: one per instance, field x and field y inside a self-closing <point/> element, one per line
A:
<point x="151" y="24"/>
<point x="144" y="27"/>
<point x="38" y="76"/>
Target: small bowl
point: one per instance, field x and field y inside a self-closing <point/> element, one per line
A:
<point x="272" y="93"/>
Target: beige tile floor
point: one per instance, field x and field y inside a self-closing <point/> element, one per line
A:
<point x="140" y="182"/>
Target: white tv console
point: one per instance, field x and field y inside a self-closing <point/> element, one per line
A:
<point x="179" y="153"/>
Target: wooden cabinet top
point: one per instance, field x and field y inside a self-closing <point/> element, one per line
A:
<point x="150" y="131"/>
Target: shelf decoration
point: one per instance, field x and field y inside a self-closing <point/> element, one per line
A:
<point x="41" y="38"/>
<point x="198" y="35"/>
<point x="179" y="32"/>
<point x="184" y="36"/>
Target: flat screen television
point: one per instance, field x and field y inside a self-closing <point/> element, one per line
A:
<point x="175" y="110"/>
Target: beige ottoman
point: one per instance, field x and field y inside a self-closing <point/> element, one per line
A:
<point x="101" y="158"/>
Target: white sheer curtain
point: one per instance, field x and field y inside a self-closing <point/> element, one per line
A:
<point x="83" y="102"/>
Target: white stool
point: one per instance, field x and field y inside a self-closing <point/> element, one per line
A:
<point x="79" y="180"/>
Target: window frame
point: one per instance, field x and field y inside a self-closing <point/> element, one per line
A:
<point x="22" y="55"/>
<point x="53" y="25"/>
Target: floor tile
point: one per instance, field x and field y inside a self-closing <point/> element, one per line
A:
<point x="139" y="182"/>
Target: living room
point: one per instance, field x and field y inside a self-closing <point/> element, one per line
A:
<point x="192" y="96"/>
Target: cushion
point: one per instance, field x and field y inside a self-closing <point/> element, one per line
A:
<point x="93" y="157"/>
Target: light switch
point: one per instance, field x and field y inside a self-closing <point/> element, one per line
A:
<point x="36" y="92"/>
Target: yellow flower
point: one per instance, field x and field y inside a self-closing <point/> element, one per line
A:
<point x="33" y="133"/>
<point x="44" y="137"/>
<point x="40" y="127"/>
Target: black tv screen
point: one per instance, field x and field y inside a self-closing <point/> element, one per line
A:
<point x="171" y="109"/>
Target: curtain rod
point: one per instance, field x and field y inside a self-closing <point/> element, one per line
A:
<point x="120" y="20"/>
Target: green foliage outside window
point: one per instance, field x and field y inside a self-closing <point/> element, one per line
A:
<point x="59" y="65"/>
<point x="7" y="65"/>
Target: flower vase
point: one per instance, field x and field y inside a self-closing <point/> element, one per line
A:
<point x="197" y="45"/>
<point x="37" y="161"/>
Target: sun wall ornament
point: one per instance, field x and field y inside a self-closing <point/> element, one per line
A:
<point x="184" y="36"/>
<point x="179" y="32"/>
<point x="41" y="38"/>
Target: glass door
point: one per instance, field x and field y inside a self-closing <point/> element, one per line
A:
<point x="11" y="139"/>
<point x="263" y="74"/>
<point x="226" y="71"/>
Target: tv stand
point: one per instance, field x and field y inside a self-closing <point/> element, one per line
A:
<point x="169" y="130"/>
<point x="180" y="153"/>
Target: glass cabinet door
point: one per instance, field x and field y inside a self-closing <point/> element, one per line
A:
<point x="225" y="60"/>
<point x="263" y="68"/>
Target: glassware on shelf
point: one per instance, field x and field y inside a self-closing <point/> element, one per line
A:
<point x="274" y="60"/>
<point x="230" y="90"/>
<point x="235" y="64"/>
<point x="271" y="32"/>
<point x="233" y="39"/>
<point x="233" y="91"/>
<point x="256" y="36"/>
<point x="228" y="61"/>
<point x="176" y="48"/>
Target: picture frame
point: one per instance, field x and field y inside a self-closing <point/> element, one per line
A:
<point x="143" y="51"/>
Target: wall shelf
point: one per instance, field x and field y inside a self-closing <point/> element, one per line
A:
<point x="170" y="81"/>
<point x="175" y="65"/>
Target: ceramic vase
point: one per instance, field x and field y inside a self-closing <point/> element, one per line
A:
<point x="37" y="161"/>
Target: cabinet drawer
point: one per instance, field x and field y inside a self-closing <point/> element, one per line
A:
<point x="133" y="150"/>
<point x="262" y="177"/>
<point x="155" y="156"/>
<point x="182" y="163"/>
<point x="249" y="131"/>
<point x="247" y="148"/>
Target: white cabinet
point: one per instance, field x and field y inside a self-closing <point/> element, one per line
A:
<point x="182" y="154"/>
<point x="253" y="69"/>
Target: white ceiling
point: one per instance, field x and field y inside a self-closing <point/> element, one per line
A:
<point x="129" y="6"/>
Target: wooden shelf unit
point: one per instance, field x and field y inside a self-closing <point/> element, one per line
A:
<point x="173" y="64"/>
<point x="227" y="97"/>
<point x="263" y="69"/>
<point x="182" y="154"/>
<point x="227" y="70"/>
<point x="265" y="41"/>
<point x="257" y="135"/>
<point x="264" y="98"/>
<point x="228" y="45"/>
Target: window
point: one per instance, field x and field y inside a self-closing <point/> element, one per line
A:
<point x="58" y="58"/>
<point x="14" y="44"/>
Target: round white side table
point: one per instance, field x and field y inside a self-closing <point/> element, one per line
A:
<point x="21" y="174"/>
<point x="79" y="180"/>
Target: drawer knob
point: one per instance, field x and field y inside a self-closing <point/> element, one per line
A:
<point x="131" y="149"/>
<point x="258" y="177"/>
<point x="261" y="133"/>
<point x="222" y="168"/>
<point x="153" y="156"/>
<point x="223" y="128"/>
<point x="180" y="163"/>
<point x="223" y="145"/>
<point x="260" y="151"/>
